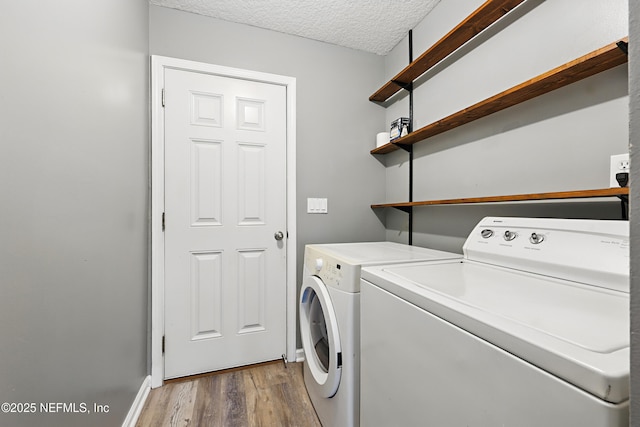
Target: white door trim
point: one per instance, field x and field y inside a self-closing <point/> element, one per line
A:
<point x="158" y="65"/>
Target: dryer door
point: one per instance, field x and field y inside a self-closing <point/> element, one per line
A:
<point x="320" y="337"/>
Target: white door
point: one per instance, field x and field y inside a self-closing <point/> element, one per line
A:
<point x="225" y="222"/>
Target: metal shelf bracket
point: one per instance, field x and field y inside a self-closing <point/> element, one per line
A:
<point x="624" y="46"/>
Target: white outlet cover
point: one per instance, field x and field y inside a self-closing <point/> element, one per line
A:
<point x="619" y="163"/>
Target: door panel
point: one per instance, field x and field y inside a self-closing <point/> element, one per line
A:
<point x="251" y="287"/>
<point x="251" y="177"/>
<point x="225" y="197"/>
<point x="206" y="183"/>
<point x="206" y="295"/>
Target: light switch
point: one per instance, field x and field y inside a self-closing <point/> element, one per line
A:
<point x="317" y="205"/>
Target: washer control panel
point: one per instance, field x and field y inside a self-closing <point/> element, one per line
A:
<point x="509" y="235"/>
<point x="586" y="251"/>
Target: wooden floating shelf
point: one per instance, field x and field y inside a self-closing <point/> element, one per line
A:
<point x="474" y="24"/>
<point x="588" y="65"/>
<point x="582" y="194"/>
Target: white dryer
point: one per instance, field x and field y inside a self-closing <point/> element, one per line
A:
<point x="330" y="321"/>
<point x="530" y="328"/>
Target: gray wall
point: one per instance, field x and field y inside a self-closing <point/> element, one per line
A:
<point x="336" y="124"/>
<point x="634" y="106"/>
<point x="73" y="197"/>
<point x="559" y="141"/>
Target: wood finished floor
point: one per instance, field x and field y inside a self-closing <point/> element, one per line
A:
<point x="267" y="394"/>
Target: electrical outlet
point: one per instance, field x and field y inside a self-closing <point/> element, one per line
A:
<point x="619" y="163"/>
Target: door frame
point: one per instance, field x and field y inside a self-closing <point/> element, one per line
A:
<point x="158" y="66"/>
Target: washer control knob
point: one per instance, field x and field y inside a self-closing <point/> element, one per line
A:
<point x="536" y="238"/>
<point x="319" y="264"/>
<point x="510" y="235"/>
<point x="486" y="233"/>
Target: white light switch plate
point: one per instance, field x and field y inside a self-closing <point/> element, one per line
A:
<point x="317" y="205"/>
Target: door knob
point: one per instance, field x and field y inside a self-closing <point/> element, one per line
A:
<point x="278" y="235"/>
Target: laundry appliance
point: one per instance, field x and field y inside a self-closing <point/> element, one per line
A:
<point x="330" y="319"/>
<point x="530" y="328"/>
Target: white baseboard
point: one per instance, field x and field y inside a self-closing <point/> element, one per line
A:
<point x="138" y="403"/>
<point x="299" y="355"/>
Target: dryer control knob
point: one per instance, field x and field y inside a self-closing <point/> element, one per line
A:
<point x="319" y="264"/>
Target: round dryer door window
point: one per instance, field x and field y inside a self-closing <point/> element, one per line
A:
<point x="320" y="337"/>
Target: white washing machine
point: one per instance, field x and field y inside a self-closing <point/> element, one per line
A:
<point x="330" y="319"/>
<point x="530" y="328"/>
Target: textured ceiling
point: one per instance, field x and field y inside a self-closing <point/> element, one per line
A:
<point x="370" y="25"/>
